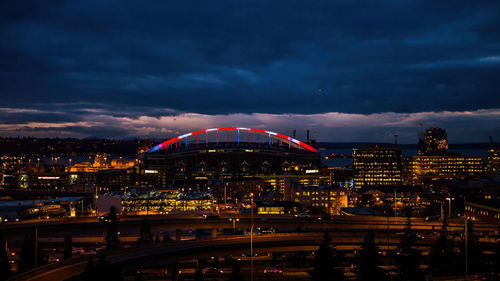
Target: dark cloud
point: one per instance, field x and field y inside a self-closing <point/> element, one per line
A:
<point x="157" y="58"/>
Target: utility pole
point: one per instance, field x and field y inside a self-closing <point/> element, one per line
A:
<point x="466" y="247"/>
<point x="251" y="239"/>
<point x="395" y="205"/>
<point x="36" y="245"/>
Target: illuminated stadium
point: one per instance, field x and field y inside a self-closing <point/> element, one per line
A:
<point x="231" y="152"/>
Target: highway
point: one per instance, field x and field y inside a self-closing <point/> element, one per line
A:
<point x="200" y="248"/>
<point x="129" y="226"/>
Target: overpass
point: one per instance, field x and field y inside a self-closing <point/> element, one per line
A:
<point x="168" y="252"/>
<point x="129" y="226"/>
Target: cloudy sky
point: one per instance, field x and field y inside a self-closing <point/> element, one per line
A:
<point x="347" y="70"/>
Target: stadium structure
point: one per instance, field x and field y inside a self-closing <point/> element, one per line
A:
<point x="230" y="153"/>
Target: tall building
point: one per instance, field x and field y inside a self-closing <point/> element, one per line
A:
<point x="493" y="160"/>
<point x="436" y="142"/>
<point x="377" y="166"/>
<point x="417" y="169"/>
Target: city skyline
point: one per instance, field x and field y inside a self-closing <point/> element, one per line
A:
<point x="157" y="70"/>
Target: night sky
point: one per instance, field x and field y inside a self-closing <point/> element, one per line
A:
<point x="347" y="70"/>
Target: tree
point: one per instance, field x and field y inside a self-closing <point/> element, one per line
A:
<point x="157" y="239"/>
<point x="112" y="240"/>
<point x="4" y="259"/>
<point x="89" y="274"/>
<point x="442" y="257"/>
<point x="175" y="271"/>
<point x="146" y="235"/>
<point x="167" y="238"/>
<point x="475" y="259"/>
<point x="366" y="260"/>
<point x="408" y="265"/>
<point x="327" y="262"/>
<point x="235" y="272"/>
<point x="299" y="259"/>
<point x="28" y="255"/>
<point x="496" y="259"/>
<point x="198" y="275"/>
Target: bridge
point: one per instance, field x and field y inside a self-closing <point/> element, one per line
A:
<point x="168" y="252"/>
<point x="89" y="228"/>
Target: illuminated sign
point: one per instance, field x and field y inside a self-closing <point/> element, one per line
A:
<point x="312" y="171"/>
<point x="151" y="171"/>
<point x="48" y="178"/>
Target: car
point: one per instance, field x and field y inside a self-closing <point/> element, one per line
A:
<point x="77" y="251"/>
<point x="52" y="259"/>
<point x="210" y="216"/>
<point x="212" y="271"/>
<point x="432" y="218"/>
<point x="107" y="218"/>
<point x="302" y="215"/>
<point x="273" y="270"/>
<point x="89" y="252"/>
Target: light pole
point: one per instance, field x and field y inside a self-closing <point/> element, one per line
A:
<point x="251" y="238"/>
<point x="449" y="207"/>
<point x="234" y="220"/>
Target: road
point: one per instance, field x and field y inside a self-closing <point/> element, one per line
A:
<point x="200" y="248"/>
<point x="129" y="226"/>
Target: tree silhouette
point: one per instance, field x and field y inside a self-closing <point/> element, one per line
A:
<point x="327" y="262"/>
<point x="235" y="272"/>
<point x="408" y="265"/>
<point x="475" y="257"/>
<point x="146" y="235"/>
<point x="89" y="274"/>
<point x="112" y="240"/>
<point x="442" y="257"/>
<point x="166" y="238"/>
<point x="198" y="275"/>
<point x="175" y="271"/>
<point x="366" y="260"/>
<point x="4" y="259"/>
<point x="496" y="258"/>
<point x="28" y="254"/>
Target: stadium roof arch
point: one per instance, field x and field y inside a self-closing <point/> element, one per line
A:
<point x="264" y="133"/>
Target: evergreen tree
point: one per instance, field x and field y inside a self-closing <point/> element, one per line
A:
<point x="175" y="271"/>
<point x="102" y="269"/>
<point x="146" y="235"/>
<point x="327" y="262"/>
<point x="235" y="272"/>
<point x="496" y="259"/>
<point x="367" y="260"/>
<point x="112" y="240"/>
<point x="198" y="275"/>
<point x="4" y="259"/>
<point x="475" y="259"/>
<point x="28" y="254"/>
<point x="408" y="265"/>
<point x="299" y="259"/>
<point x="166" y="238"/>
<point x="442" y="257"/>
<point x="89" y="274"/>
<point x="157" y="239"/>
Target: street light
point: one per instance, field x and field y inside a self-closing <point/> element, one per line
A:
<point x="234" y="224"/>
<point x="449" y="206"/>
